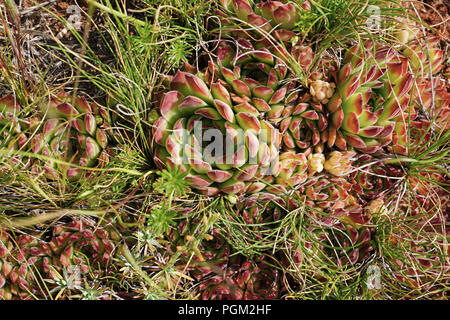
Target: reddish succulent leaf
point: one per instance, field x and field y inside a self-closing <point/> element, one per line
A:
<point x="337" y="118"/>
<point x="247" y="173"/>
<point x="263" y="92"/>
<point x="300" y="108"/>
<point x="310" y="115"/>
<point x="372" y="131"/>
<point x="221" y="93"/>
<point x="259" y="21"/>
<point x="208" y="113"/>
<point x="248" y="122"/>
<point x="340" y="141"/>
<point x="351" y="123"/>
<point x="246" y="107"/>
<point x="200" y="166"/>
<point x="261" y="104"/>
<point x="355" y="141"/>
<point x="241" y="88"/>
<point x="278" y="96"/>
<point x="225" y="110"/>
<point x="252" y="143"/>
<point x="197" y="181"/>
<point x="288" y="140"/>
<point x="169" y="104"/>
<point x="335" y="102"/>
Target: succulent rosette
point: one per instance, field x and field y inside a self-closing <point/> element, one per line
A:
<point x="372" y="88"/>
<point x="425" y="57"/>
<point x="243" y="280"/>
<point x="275" y="17"/>
<point x="26" y="260"/>
<point x="432" y="96"/>
<point x="428" y="199"/>
<point x="341" y="239"/>
<point x="373" y="181"/>
<point x="430" y="112"/>
<point x="410" y="135"/>
<point x="327" y="193"/>
<point x="242" y="99"/>
<point x="73" y="131"/>
<point x="259" y="208"/>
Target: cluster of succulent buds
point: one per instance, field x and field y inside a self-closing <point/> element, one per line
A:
<point x="244" y="280"/>
<point x="433" y="97"/>
<point x="71" y="135"/>
<point x="321" y="91"/>
<point x="424" y="56"/>
<point x="340" y="163"/>
<point x="316" y="163"/>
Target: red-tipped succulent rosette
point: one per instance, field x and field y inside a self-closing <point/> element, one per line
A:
<point x="73" y="131"/>
<point x="373" y="181"/>
<point x="340" y="236"/>
<point x="373" y="88"/>
<point x="433" y="97"/>
<point x="276" y="18"/>
<point x="240" y="100"/>
<point x="26" y="260"/>
<point x="244" y="279"/>
<point x="425" y="57"/>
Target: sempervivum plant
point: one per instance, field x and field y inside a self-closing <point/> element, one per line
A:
<point x="433" y="98"/>
<point x="259" y="208"/>
<point x="342" y="239"/>
<point x="374" y="179"/>
<point x="337" y="228"/>
<point x="327" y="193"/>
<point x="429" y="113"/>
<point x="74" y="132"/>
<point x="372" y="88"/>
<point x="411" y="135"/>
<point x="427" y="197"/>
<point x="238" y="103"/>
<point x="222" y="273"/>
<point x="244" y="280"/>
<point x="26" y="260"/>
<point x="425" y="57"/>
<point x="261" y="213"/>
<point x="275" y="17"/>
<point x="267" y="80"/>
